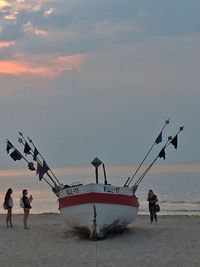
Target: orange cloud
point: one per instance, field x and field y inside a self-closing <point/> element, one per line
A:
<point x="51" y="67"/>
<point x="10" y="17"/>
<point x="18" y="68"/>
<point x="6" y="44"/>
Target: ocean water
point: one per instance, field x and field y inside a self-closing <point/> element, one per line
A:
<point x="178" y="193"/>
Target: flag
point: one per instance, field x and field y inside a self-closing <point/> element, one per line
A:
<point x="9" y="146"/>
<point x="16" y="155"/>
<point x="27" y="148"/>
<point x="45" y="167"/>
<point x="159" y="138"/>
<point x="39" y="171"/>
<point x="31" y="166"/>
<point x="162" y="153"/>
<point x="35" y="153"/>
<point x="174" y="142"/>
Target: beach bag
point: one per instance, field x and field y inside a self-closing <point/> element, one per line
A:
<point x="157" y="207"/>
<point x="21" y="203"/>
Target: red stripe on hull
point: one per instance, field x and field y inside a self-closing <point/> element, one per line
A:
<point x="117" y="199"/>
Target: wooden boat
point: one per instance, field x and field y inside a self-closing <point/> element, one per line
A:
<point x="97" y="208"/>
<point x="94" y="208"/>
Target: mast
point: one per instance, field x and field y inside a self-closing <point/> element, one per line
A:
<point x="157" y="141"/>
<point x="44" y="164"/>
<point x="30" y="164"/>
<point x="41" y="169"/>
<point x="161" y="154"/>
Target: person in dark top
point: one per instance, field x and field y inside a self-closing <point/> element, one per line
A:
<point x="27" y="206"/>
<point x="8" y="204"/>
<point x="152" y="199"/>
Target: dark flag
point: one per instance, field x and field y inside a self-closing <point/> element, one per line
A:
<point x="174" y="142"/>
<point x="162" y="153"/>
<point x="45" y="167"/>
<point x="9" y="146"/>
<point x="31" y="166"/>
<point x="27" y="148"/>
<point x="159" y="138"/>
<point x="16" y="155"/>
<point x="35" y="153"/>
<point x="39" y="171"/>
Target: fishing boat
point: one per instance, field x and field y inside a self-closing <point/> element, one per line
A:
<point x="95" y="208"/>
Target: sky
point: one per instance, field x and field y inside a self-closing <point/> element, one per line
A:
<point x="88" y="79"/>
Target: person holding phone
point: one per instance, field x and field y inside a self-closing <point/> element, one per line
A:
<point x="27" y="206"/>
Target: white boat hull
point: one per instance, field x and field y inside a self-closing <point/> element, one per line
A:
<point x="97" y="208"/>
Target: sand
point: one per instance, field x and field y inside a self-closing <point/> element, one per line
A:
<point x="174" y="241"/>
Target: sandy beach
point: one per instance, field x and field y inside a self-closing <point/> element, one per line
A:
<point x="174" y="241"/>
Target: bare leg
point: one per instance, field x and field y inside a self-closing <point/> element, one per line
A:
<point x="26" y="215"/>
<point x="9" y="218"/>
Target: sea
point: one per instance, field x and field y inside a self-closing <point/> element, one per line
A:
<point x="178" y="193"/>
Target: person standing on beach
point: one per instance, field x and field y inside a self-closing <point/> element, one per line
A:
<point x="27" y="206"/>
<point x="152" y="199"/>
<point x="8" y="205"/>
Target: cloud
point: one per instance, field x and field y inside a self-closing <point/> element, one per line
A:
<point x="17" y="68"/>
<point x="29" y="28"/>
<point x="53" y="67"/>
<point x="6" y="44"/>
<point x="76" y="28"/>
<point x="116" y="67"/>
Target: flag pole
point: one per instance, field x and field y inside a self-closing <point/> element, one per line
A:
<point x="135" y="186"/>
<point x="26" y="160"/>
<point x="180" y="130"/>
<point x="21" y="141"/>
<point x="30" y="140"/>
<point x="127" y="183"/>
<point x="17" y="151"/>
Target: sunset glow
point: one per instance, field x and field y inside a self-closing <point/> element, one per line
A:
<point x="111" y="71"/>
<point x="10" y="17"/>
<point x="3" y="3"/>
<point x="53" y="68"/>
<point x="6" y="44"/>
<point x="113" y="170"/>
